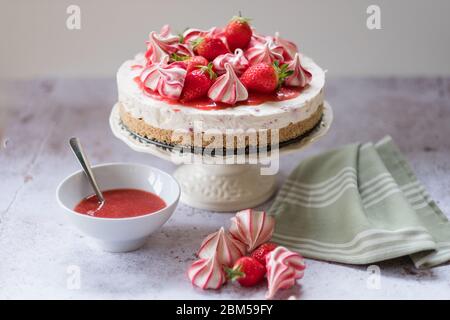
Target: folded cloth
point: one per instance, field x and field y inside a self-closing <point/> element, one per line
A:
<point x="360" y="204"/>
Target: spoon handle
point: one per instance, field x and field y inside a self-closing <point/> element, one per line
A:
<point x="81" y="156"/>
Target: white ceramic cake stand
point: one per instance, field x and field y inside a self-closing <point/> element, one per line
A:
<point x="208" y="182"/>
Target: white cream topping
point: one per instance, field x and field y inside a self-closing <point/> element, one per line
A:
<point x="267" y="115"/>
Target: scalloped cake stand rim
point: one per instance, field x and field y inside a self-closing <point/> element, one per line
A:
<point x="123" y="134"/>
<point x="208" y="184"/>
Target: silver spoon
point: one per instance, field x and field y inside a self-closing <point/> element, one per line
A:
<point x="81" y="156"/>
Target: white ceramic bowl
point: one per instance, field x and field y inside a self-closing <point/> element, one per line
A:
<point x="119" y="234"/>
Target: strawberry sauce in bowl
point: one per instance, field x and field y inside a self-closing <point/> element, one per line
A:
<point x="139" y="200"/>
<point x="121" y="203"/>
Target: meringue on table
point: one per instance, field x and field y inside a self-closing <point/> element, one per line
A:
<point x="252" y="228"/>
<point x="222" y="244"/>
<point x="284" y="268"/>
<point x="207" y="273"/>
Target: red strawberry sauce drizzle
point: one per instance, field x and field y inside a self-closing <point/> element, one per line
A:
<point x="136" y="67"/>
<point x="254" y="98"/>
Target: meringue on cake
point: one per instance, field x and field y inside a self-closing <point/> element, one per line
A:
<point x="230" y="110"/>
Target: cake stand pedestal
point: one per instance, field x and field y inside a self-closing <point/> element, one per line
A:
<point x="227" y="187"/>
<point x="209" y="182"/>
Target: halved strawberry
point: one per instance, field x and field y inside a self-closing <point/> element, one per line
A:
<point x="209" y="47"/>
<point x="261" y="252"/>
<point x="238" y="33"/>
<point x="265" y="78"/>
<point x="197" y="83"/>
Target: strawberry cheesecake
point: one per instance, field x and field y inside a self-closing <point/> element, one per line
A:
<point x="223" y="87"/>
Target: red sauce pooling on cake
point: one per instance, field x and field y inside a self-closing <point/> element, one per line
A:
<point x="205" y="103"/>
<point x="121" y="203"/>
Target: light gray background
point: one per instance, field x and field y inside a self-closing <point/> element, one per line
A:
<point x="37" y="244"/>
<point x="414" y="39"/>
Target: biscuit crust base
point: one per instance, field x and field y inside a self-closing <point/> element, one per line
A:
<point x="238" y="140"/>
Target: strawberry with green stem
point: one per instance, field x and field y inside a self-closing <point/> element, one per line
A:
<point x="265" y="78"/>
<point x="209" y="47"/>
<point x="191" y="63"/>
<point x="197" y="83"/>
<point x="238" y="33"/>
<point x="247" y="271"/>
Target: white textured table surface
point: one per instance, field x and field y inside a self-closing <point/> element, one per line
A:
<point x="37" y="246"/>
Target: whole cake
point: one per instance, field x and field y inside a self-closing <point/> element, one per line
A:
<point x="223" y="87"/>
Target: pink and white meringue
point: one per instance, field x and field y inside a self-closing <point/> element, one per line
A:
<point x="192" y="34"/>
<point x="256" y="38"/>
<point x="266" y="52"/>
<point x="301" y="77"/>
<point x="237" y="60"/>
<point x="159" y="46"/>
<point x="284" y="267"/>
<point x="252" y="228"/>
<point x="228" y="88"/>
<point x="207" y="273"/>
<point x="166" y="79"/>
<point x="289" y="48"/>
<point x="224" y="246"/>
<point x="165" y="31"/>
<point x="163" y="44"/>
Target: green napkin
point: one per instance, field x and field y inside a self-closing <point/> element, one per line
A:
<point x="360" y="204"/>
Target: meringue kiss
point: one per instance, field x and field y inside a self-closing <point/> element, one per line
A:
<point x="165" y="43"/>
<point x="228" y="88"/>
<point x="167" y="80"/>
<point x="289" y="48"/>
<point x="300" y="77"/>
<point x="159" y="46"/>
<point x="284" y="267"/>
<point x="207" y="273"/>
<point x="252" y="228"/>
<point x="266" y="52"/>
<point x="237" y="60"/>
<point x="222" y="245"/>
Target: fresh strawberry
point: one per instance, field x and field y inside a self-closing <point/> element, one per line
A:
<point x="191" y="63"/>
<point x="209" y="47"/>
<point x="247" y="271"/>
<point x="265" y="78"/>
<point x="197" y="83"/>
<point x="238" y="33"/>
<point x="261" y="252"/>
<point x="195" y="62"/>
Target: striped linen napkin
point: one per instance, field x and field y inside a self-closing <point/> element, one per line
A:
<point x="360" y="204"/>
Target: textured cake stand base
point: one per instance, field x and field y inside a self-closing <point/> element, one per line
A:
<point x="224" y="187"/>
